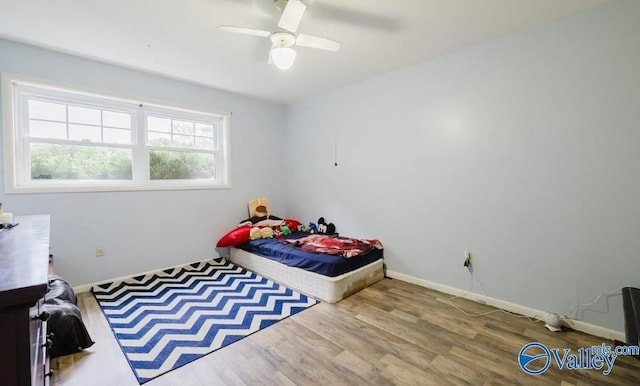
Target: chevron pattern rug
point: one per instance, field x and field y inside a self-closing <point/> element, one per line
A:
<point x="167" y="319"/>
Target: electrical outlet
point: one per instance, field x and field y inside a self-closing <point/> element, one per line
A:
<point x="100" y="251"/>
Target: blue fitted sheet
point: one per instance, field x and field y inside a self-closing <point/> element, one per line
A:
<point x="328" y="265"/>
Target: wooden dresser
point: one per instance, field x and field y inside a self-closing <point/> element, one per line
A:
<point x="24" y="265"/>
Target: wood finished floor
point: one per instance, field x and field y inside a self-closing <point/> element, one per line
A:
<point x="392" y="333"/>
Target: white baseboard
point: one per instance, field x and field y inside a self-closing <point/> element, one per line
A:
<point x="577" y="325"/>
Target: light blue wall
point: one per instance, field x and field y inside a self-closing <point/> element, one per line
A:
<point x="143" y="231"/>
<point x="523" y="150"/>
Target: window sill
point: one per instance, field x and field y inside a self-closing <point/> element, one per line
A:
<point x="97" y="187"/>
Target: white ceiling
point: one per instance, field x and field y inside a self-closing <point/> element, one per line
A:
<point x="179" y="38"/>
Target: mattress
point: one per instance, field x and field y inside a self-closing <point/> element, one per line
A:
<point x="327" y="265"/>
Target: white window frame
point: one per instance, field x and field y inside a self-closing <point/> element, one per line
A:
<point x="16" y="165"/>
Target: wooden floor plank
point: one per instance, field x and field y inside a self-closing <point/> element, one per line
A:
<point x="392" y="333"/>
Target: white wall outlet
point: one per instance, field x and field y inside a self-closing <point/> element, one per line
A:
<point x="100" y="251"/>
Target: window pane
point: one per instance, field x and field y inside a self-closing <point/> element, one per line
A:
<point x="204" y="143"/>
<point x="113" y="119"/>
<point x="117" y="136"/>
<point x="159" y="124"/>
<point x="70" y="162"/>
<point x="182" y="141"/>
<point x="177" y="165"/>
<point x="84" y="115"/>
<point x="42" y="129"/>
<point x="84" y="133"/>
<point x="159" y="139"/>
<point x="48" y="111"/>
<point x="204" y="130"/>
<point x="69" y="140"/>
<point x="182" y="127"/>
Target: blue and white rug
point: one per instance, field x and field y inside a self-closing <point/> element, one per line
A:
<point x="167" y="319"/>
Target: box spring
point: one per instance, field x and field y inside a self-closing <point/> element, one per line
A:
<point x="328" y="289"/>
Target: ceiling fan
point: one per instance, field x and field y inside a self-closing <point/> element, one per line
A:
<point x="281" y="54"/>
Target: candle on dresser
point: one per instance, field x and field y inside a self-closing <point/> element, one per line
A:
<point x="6" y="218"/>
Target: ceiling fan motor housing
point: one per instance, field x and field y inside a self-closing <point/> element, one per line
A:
<point x="283" y="39"/>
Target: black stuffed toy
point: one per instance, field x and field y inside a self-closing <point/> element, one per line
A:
<point x="325" y="228"/>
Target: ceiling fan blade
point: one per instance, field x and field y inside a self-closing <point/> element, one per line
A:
<point x="317" y="42"/>
<point x="292" y="15"/>
<point x="246" y="31"/>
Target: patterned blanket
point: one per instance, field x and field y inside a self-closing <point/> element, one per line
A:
<point x="334" y="245"/>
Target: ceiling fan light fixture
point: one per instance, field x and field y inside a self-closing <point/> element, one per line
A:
<point x="283" y="57"/>
<point x="281" y="53"/>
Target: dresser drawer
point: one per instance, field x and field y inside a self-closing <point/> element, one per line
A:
<point x="38" y="345"/>
<point x="24" y="281"/>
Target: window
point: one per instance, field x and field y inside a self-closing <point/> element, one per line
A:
<point x="60" y="140"/>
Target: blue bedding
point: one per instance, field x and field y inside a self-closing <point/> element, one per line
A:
<point x="328" y="265"/>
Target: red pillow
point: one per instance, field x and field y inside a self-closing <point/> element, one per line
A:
<point x="237" y="236"/>
<point x="292" y="224"/>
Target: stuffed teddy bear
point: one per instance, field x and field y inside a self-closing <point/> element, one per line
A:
<point x="285" y="230"/>
<point x="260" y="233"/>
<point x="313" y="228"/>
<point x="255" y="234"/>
<point x="266" y="232"/>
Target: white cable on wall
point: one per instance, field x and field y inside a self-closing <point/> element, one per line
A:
<point x="573" y="311"/>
